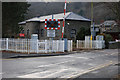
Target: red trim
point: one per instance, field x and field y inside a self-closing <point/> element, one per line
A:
<point x="54" y="28"/>
<point x="45" y="27"/>
<point x="45" y="19"/>
<point x="62" y="35"/>
<point x="54" y="20"/>
<point x="50" y="19"/>
<point x="64" y="11"/>
<point x="50" y="28"/>
<point x="58" y="23"/>
<point x="45" y="23"/>
<point x="58" y="19"/>
<point x="63" y="23"/>
<point x="58" y="28"/>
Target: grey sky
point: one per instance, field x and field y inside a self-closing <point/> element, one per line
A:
<point x="60" y="0"/>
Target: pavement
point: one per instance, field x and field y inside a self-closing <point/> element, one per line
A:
<point x="83" y="64"/>
<point x="25" y="55"/>
<point x="8" y="54"/>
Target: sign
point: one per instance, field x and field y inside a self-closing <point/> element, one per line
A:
<point x="99" y="37"/>
<point x="52" y="24"/>
<point x="34" y="36"/>
<point x="22" y="35"/>
<point x="50" y="33"/>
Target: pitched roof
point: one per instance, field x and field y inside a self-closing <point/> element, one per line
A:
<point x="69" y="16"/>
<point x="73" y="16"/>
<point x="109" y="23"/>
<point x="23" y="22"/>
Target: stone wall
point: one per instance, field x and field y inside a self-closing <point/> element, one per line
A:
<point x="70" y="26"/>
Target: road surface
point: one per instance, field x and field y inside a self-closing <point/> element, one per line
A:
<point x="82" y="64"/>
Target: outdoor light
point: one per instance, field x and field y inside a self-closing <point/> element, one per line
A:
<point x="68" y="23"/>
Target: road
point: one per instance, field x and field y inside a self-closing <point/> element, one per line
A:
<point x="82" y="64"/>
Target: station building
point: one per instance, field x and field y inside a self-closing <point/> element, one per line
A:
<point x="73" y="22"/>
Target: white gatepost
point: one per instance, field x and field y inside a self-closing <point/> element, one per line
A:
<point x="71" y="45"/>
<point x="37" y="46"/>
<point x="45" y="46"/>
<point x="6" y="43"/>
<point x="57" y="46"/>
<point x="77" y="43"/>
<point x="63" y="45"/>
<point x="22" y="46"/>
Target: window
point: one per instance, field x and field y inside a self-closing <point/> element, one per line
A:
<point x="42" y="32"/>
<point x="36" y="31"/>
<point x="73" y="33"/>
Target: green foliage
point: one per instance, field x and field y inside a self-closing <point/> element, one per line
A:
<point x="81" y="13"/>
<point x="108" y="38"/>
<point x="82" y="33"/>
<point x="64" y="36"/>
<point x="12" y="14"/>
<point x="115" y="8"/>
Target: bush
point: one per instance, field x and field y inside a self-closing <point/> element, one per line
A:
<point x="82" y="33"/>
<point x="108" y="38"/>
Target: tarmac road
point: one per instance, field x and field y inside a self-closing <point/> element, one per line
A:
<point x="92" y="64"/>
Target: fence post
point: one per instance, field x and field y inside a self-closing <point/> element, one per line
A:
<point x="6" y="43"/>
<point x="63" y="45"/>
<point x="71" y="45"/>
<point x="45" y="46"/>
<point x="77" y="43"/>
<point x="52" y="45"/>
<point x="37" y="45"/>
<point x="57" y="46"/>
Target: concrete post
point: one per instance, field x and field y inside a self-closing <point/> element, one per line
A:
<point x="37" y="45"/>
<point x="77" y="43"/>
<point x="71" y="45"/>
<point x="45" y="46"/>
<point x="6" y="43"/>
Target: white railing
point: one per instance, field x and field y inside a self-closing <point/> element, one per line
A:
<point x="70" y="46"/>
<point x="33" y="45"/>
<point x="94" y="44"/>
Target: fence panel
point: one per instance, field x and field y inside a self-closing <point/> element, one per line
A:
<point x="69" y="45"/>
<point x="80" y="44"/>
<point x="94" y="44"/>
<point x="3" y="44"/>
<point x="33" y="46"/>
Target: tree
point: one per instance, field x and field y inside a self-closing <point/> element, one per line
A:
<point x="115" y="7"/>
<point x="81" y="13"/>
<point x="82" y="33"/>
<point x="12" y="14"/>
<point x="108" y="38"/>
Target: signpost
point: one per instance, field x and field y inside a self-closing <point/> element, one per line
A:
<point x="50" y="33"/>
<point x="64" y="20"/>
<point x="51" y="25"/>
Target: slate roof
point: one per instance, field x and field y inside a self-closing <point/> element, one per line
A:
<point x="23" y="22"/>
<point x="68" y="16"/>
<point x="109" y="23"/>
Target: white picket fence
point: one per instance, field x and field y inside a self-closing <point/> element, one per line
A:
<point x="94" y="44"/>
<point x="33" y="45"/>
